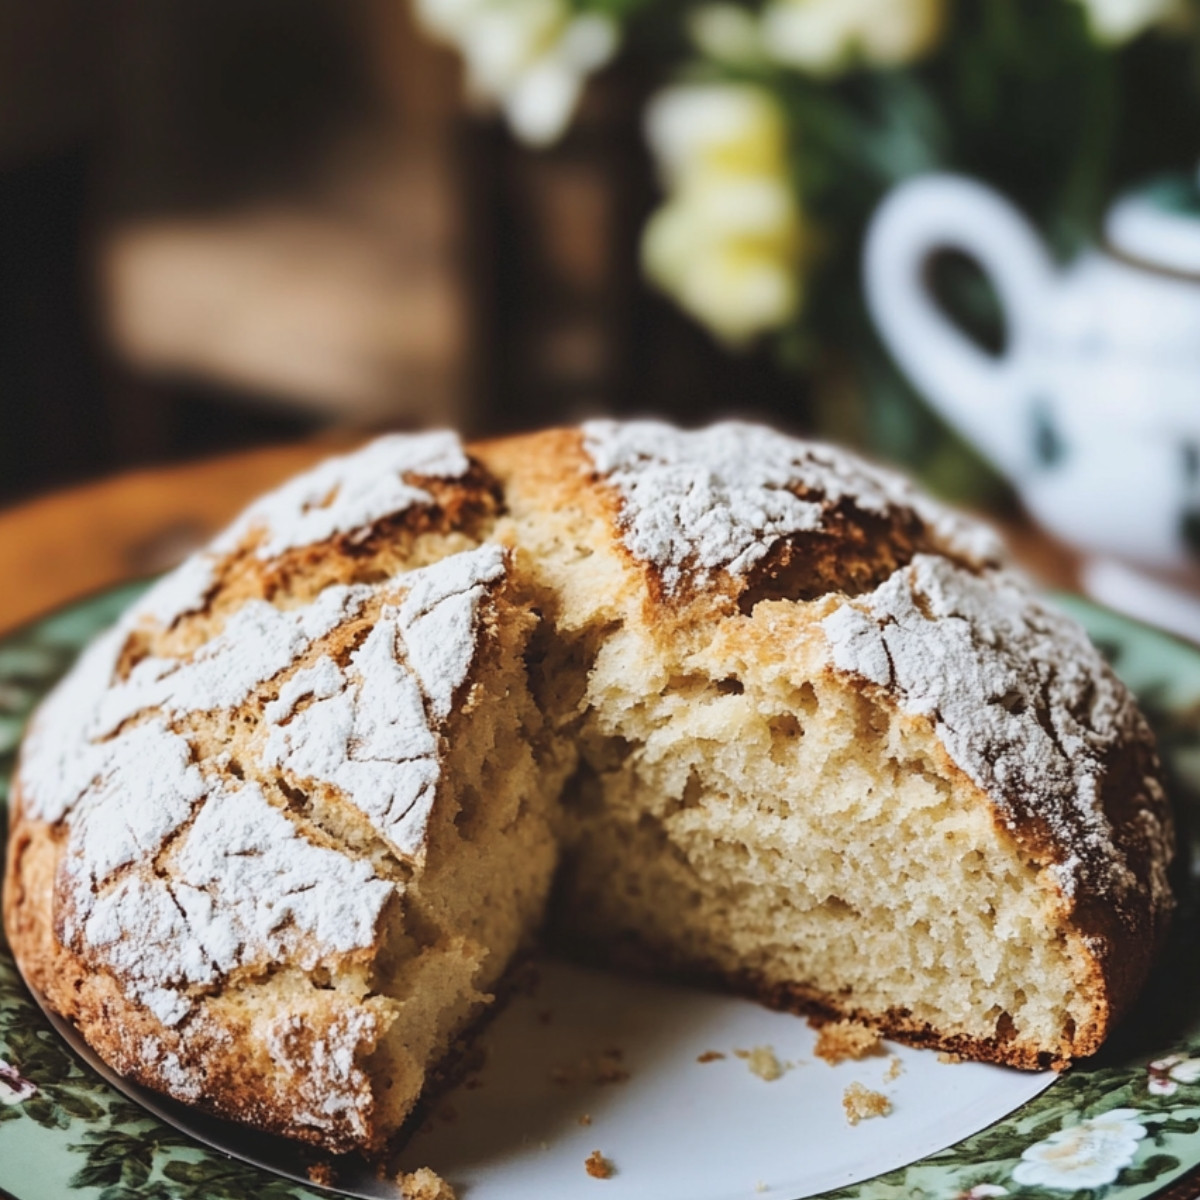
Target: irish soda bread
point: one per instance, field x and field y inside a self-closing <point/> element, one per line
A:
<point x="739" y="705"/>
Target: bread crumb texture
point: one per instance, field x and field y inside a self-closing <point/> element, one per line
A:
<point x="762" y="1062"/>
<point x="860" y="1103"/>
<point x="424" y="1184"/>
<point x="322" y="1174"/>
<point x="840" y="1040"/>
<point x="756" y="710"/>
<point x="710" y="1056"/>
<point x="598" y="1167"/>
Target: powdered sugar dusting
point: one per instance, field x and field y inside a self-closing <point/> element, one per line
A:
<point x="371" y="730"/>
<point x="332" y="1089"/>
<point x="720" y="498"/>
<point x="62" y="753"/>
<point x="184" y="590"/>
<point x="1021" y="700"/>
<point x="439" y="618"/>
<point x="176" y="876"/>
<point x="320" y="681"/>
<point x="257" y="643"/>
<point x="256" y="891"/>
<point x="244" y="890"/>
<point x="144" y="789"/>
<point x="184" y="1082"/>
<point x="371" y="740"/>
<point x="57" y="761"/>
<point x="347" y="494"/>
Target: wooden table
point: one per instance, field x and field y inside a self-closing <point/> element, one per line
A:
<point x="68" y="544"/>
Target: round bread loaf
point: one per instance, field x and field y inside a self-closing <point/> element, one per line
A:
<point x="756" y="710"/>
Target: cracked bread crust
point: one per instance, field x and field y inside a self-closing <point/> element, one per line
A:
<point x="211" y="1062"/>
<point x="296" y="1062"/>
<point x="1071" y="771"/>
<point x="364" y="605"/>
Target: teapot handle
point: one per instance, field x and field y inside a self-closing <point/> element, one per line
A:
<point x="976" y="391"/>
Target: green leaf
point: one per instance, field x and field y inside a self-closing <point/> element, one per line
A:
<point x="1150" y="1170"/>
<point x="77" y="1104"/>
<point x="45" y="1112"/>
<point x="96" y="1173"/>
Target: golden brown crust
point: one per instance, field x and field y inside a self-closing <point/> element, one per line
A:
<point x="204" y="1063"/>
<point x="899" y="1026"/>
<point x="1115" y="943"/>
<point x="838" y="1041"/>
<point x="820" y="1006"/>
<point x="204" y="1060"/>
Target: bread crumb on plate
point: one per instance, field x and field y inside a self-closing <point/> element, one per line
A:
<point x="840" y="1040"/>
<point x="861" y="1103"/>
<point x="424" y="1184"/>
<point x="709" y="1056"/>
<point x="894" y="1070"/>
<point x="762" y="1062"/>
<point x="599" y="1167"/>
<point x="322" y="1174"/>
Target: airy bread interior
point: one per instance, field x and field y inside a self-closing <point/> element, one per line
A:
<point x="801" y="839"/>
<point x="742" y="815"/>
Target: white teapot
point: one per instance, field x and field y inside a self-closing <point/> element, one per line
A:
<point x="1093" y="408"/>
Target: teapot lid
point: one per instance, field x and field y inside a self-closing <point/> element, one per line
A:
<point x="1158" y="225"/>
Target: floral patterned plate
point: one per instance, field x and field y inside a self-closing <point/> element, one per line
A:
<point x="1122" y="1126"/>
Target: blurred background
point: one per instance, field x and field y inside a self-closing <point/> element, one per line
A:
<point x="234" y="223"/>
<point x="230" y="221"/>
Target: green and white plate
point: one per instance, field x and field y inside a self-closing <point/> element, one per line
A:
<point x="586" y="1061"/>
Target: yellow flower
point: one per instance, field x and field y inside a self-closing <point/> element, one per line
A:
<point x="737" y="289"/>
<point x="708" y="127"/>
<point x="827" y="36"/>
<point x="726" y="244"/>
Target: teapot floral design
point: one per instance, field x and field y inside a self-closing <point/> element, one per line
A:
<point x="1093" y="408"/>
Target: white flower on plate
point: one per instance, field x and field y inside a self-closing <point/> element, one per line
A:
<point x="530" y="57"/>
<point x="826" y="36"/>
<point x="1122" y="20"/>
<point x="1166" y="1074"/>
<point x="726" y="243"/>
<point x="14" y="1088"/>
<point x="1088" y="1155"/>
